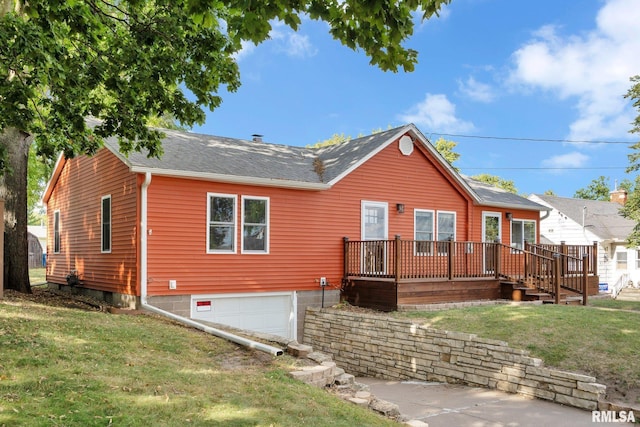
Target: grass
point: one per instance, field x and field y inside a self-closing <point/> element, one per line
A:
<point x="37" y="275"/>
<point x="70" y="367"/>
<point x="602" y="340"/>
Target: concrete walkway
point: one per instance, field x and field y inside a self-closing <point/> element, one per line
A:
<point x="629" y="294"/>
<point x="446" y="405"/>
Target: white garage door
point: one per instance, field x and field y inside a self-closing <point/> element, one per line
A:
<point x="271" y="313"/>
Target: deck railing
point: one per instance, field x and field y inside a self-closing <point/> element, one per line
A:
<point x="536" y="265"/>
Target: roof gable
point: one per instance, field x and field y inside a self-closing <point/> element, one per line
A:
<point x="199" y="156"/>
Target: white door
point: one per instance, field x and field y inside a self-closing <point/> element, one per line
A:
<point x="375" y="230"/>
<point x="491" y="232"/>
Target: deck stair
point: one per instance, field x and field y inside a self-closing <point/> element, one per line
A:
<point x="518" y="291"/>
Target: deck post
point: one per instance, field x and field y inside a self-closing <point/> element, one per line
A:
<point x="585" y="282"/>
<point x="398" y="254"/>
<point x="565" y="260"/>
<point x="345" y="266"/>
<point x="496" y="258"/>
<point x="594" y="258"/>
<point x="557" y="259"/>
<point x="450" y="259"/>
<point x="527" y="260"/>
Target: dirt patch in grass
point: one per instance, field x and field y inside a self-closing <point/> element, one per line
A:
<point x="56" y="298"/>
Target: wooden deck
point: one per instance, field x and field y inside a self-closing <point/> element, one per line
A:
<point x="387" y="274"/>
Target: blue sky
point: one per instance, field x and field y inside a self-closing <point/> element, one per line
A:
<point x="545" y="69"/>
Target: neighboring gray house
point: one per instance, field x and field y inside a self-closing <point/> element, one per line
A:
<point x="583" y="222"/>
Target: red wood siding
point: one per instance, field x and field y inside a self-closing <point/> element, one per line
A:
<point x="306" y="227"/>
<point x="505" y="237"/>
<point x="77" y="194"/>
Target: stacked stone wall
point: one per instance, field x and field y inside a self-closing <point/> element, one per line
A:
<point x="378" y="346"/>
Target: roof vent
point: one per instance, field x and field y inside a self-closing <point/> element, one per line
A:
<point x="257" y="137"/>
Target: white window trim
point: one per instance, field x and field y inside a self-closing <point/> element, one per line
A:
<point x="498" y="215"/>
<point x="108" y="196"/>
<point x="235" y="223"/>
<point x="437" y="233"/>
<point x="415" y="231"/>
<point x="267" y="225"/>
<point x="56" y="213"/>
<point x="384" y="205"/>
<point x="523" y="221"/>
<point x="455" y="223"/>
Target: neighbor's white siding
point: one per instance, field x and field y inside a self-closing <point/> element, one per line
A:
<point x="558" y="228"/>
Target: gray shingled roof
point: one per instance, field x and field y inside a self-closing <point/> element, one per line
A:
<point x="205" y="154"/>
<point x="601" y="218"/>
<point x="192" y="154"/>
<point x="494" y="196"/>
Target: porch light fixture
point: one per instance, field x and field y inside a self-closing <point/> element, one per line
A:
<point x="509" y="216"/>
<point x="400" y="207"/>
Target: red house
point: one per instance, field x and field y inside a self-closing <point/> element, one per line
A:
<point x="245" y="233"/>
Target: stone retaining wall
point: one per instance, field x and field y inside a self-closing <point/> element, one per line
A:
<point x="379" y="346"/>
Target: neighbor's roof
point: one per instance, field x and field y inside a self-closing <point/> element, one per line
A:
<point x="601" y="218"/>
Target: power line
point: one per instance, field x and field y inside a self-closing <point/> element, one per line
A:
<point x="543" y="168"/>
<point x="533" y="139"/>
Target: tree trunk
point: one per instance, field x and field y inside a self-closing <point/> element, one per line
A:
<point x="13" y="189"/>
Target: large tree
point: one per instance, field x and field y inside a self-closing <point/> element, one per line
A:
<point x="631" y="209"/>
<point x="127" y="60"/>
<point x="598" y="189"/>
<point x="496" y="181"/>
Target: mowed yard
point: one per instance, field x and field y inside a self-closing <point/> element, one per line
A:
<point x="67" y="363"/>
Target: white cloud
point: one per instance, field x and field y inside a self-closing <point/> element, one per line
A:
<point x="290" y="42"/>
<point x="569" y="160"/>
<point x="246" y="50"/>
<point x="593" y="68"/>
<point x="281" y="39"/>
<point x="436" y="114"/>
<point x="475" y="90"/>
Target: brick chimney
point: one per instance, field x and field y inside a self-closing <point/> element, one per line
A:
<point x="619" y="196"/>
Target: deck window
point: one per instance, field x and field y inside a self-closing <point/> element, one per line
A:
<point x="621" y="260"/>
<point x="255" y="224"/>
<point x="446" y="231"/>
<point x="221" y="220"/>
<point x="522" y="231"/>
<point x="105" y="214"/>
<point x="56" y="232"/>
<point x="423" y="231"/>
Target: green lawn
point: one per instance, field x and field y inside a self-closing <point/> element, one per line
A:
<point x="70" y="367"/>
<point x="602" y="339"/>
<point x="37" y="276"/>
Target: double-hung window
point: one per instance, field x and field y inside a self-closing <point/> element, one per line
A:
<point x="446" y="230"/>
<point x="56" y="232"/>
<point x="522" y="231"/>
<point x="105" y="220"/>
<point x="621" y="260"/>
<point x="221" y="220"/>
<point x="255" y="224"/>
<point x="423" y="233"/>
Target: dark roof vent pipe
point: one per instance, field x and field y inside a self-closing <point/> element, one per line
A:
<point x="257" y="137"/>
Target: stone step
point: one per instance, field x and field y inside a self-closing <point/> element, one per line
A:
<point x="320" y="375"/>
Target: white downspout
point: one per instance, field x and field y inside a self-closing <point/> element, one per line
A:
<point x="143" y="286"/>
